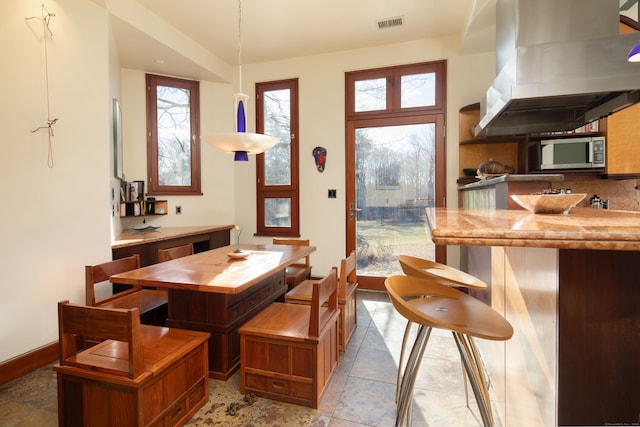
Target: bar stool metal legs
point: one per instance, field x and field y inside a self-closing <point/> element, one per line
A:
<point x="407" y="332"/>
<point x="470" y="359"/>
<point x="472" y="365"/>
<point x="405" y="392"/>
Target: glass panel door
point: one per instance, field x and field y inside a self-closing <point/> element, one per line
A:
<point x="395" y="182"/>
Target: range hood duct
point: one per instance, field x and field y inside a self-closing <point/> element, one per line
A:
<point x="560" y="65"/>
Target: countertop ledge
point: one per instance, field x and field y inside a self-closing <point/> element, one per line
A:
<point x="513" y="178"/>
<point x="133" y="237"/>
<point x="582" y="228"/>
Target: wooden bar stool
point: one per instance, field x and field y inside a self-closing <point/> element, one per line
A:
<point x="420" y="267"/>
<point x="449" y="276"/>
<point x="431" y="304"/>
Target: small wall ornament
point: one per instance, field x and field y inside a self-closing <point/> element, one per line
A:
<point x="320" y="156"/>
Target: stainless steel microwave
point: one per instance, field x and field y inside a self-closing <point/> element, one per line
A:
<point x="571" y="153"/>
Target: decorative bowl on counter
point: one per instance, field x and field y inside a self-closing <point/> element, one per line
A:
<point x="548" y="203"/>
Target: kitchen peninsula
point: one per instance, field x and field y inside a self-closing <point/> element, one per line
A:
<point x="570" y="287"/>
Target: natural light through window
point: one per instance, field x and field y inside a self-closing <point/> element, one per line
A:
<point x="371" y="95"/>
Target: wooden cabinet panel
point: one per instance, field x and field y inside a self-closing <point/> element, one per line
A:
<point x="284" y="370"/>
<point x="523" y="370"/>
<point x="599" y="341"/>
<point x="166" y="398"/>
<point x="147" y="248"/>
<point x="531" y="294"/>
<point x="623" y="141"/>
<point x="472" y="155"/>
<point x="152" y="401"/>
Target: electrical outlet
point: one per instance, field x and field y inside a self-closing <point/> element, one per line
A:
<point x="332" y="193"/>
<point x="178" y="210"/>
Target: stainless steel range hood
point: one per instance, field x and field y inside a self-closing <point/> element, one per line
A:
<point x="560" y="64"/>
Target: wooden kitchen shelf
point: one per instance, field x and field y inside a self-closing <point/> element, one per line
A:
<point x="143" y="208"/>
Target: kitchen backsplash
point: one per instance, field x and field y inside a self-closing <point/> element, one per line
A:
<point x="622" y="194"/>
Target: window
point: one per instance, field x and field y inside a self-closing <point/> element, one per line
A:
<point x="277" y="168"/>
<point x="395" y="91"/>
<point x="173" y="127"/>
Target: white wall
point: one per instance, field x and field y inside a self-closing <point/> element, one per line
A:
<point x="54" y="220"/>
<point x="114" y="92"/>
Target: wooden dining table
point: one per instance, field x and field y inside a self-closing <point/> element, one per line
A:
<point x="211" y="291"/>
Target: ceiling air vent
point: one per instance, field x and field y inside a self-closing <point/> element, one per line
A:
<point x="390" y="22"/>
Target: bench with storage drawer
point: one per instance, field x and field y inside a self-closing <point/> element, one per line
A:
<point x="138" y="375"/>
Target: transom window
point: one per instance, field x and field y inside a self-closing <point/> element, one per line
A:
<point x="173" y="126"/>
<point x="403" y="90"/>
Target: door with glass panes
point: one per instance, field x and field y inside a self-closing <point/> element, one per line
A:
<point x="395" y="166"/>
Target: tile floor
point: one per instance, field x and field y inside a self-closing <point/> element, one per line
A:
<point x="361" y="392"/>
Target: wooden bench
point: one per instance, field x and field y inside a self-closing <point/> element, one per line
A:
<point x="347" y="301"/>
<point x="289" y="352"/>
<point x="152" y="303"/>
<point x="138" y="375"/>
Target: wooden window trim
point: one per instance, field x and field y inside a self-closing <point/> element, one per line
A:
<point x="393" y="76"/>
<point x="278" y="191"/>
<point x="152" y="81"/>
<point x="393" y="115"/>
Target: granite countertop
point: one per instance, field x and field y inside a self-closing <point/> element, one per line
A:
<point x="582" y="228"/>
<point x="132" y="237"/>
<point x="547" y="177"/>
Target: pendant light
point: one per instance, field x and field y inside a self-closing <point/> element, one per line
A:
<point x="240" y="142"/>
<point x="634" y="54"/>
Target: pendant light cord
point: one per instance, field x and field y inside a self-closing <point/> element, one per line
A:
<point x="240" y="45"/>
<point x="46" y="17"/>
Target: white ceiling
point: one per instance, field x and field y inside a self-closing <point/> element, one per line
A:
<point x="280" y="29"/>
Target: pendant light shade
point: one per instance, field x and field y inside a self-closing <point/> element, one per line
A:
<point x="634" y="54"/>
<point x="231" y="142"/>
<point x="240" y="142"/>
